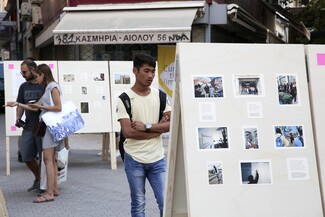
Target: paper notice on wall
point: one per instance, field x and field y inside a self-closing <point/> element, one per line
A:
<point x="254" y="110"/>
<point x="297" y="169"/>
<point x="207" y="111"/>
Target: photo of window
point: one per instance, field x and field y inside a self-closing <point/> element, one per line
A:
<point x="248" y="85"/>
<point x="255" y="172"/>
<point x="215" y="173"/>
<point x="289" y="136"/>
<point x="209" y="86"/>
<point x="287" y="90"/>
<point x="213" y="138"/>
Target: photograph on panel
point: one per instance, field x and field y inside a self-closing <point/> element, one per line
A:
<point x="248" y="85"/>
<point x="84" y="107"/>
<point x="84" y="90"/>
<point x="287" y="90"/>
<point x="289" y="136"/>
<point x="99" y="76"/>
<point x="250" y="137"/>
<point x="122" y="78"/>
<point x="256" y="172"/>
<point x="208" y="86"/>
<point x="215" y="172"/>
<point x="213" y="138"/>
<point x="68" y="77"/>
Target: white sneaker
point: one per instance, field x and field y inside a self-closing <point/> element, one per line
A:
<point x="118" y="154"/>
<point x="99" y="154"/>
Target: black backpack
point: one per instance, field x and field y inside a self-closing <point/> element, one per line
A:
<point x="127" y="104"/>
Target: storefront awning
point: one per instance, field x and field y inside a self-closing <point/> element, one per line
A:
<point x="84" y="25"/>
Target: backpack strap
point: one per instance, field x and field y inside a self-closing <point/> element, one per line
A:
<point x="163" y="99"/>
<point x="127" y="104"/>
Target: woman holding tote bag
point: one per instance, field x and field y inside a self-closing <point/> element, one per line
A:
<point x="50" y="101"/>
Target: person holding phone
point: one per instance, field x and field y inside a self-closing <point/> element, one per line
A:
<point x="31" y="147"/>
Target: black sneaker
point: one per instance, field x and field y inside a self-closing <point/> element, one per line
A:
<point x="39" y="192"/>
<point x="36" y="185"/>
<point x="20" y="158"/>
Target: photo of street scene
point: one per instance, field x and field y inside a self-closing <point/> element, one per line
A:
<point x="287" y="90"/>
<point x="248" y="85"/>
<point x="215" y="172"/>
<point x="122" y="78"/>
<point x="255" y="172"/>
<point x="209" y="86"/>
<point x="289" y="136"/>
<point x="213" y="138"/>
<point x="251" y="138"/>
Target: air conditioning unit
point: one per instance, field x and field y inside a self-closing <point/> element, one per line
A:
<point x="37" y="15"/>
<point x="26" y="9"/>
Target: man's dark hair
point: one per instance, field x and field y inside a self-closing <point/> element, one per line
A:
<point x="29" y="63"/>
<point x="30" y="58"/>
<point x="141" y="58"/>
<point x="278" y="130"/>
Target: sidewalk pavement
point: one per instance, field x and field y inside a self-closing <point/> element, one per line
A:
<point x="91" y="190"/>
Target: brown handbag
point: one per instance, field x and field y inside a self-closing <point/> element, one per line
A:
<point x="39" y="129"/>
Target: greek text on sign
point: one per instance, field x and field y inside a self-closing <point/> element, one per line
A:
<point x="122" y="38"/>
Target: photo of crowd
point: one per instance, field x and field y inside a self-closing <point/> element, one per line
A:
<point x="208" y="86"/>
<point x="248" y="85"/>
<point x="287" y="89"/>
<point x="289" y="136"/>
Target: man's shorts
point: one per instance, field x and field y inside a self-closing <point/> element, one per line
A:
<point x="30" y="146"/>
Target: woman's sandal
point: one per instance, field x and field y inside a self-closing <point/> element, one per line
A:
<point x="42" y="199"/>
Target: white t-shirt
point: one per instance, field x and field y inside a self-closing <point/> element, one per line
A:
<point x="145" y="109"/>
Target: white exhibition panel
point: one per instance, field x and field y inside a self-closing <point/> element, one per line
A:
<point x="86" y="83"/>
<point x="316" y="71"/>
<point x="122" y="79"/>
<point x="288" y="180"/>
<point x="13" y="79"/>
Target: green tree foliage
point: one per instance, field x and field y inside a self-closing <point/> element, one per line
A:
<point x="313" y="17"/>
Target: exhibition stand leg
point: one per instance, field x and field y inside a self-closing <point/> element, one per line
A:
<point x="112" y="148"/>
<point x="7" y="155"/>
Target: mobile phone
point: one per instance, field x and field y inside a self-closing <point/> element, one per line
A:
<point x="31" y="101"/>
<point x="20" y="124"/>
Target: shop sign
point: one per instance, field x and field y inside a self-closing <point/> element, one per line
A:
<point x="122" y="38"/>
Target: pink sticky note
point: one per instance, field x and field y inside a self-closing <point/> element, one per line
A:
<point x="321" y="59"/>
<point x="51" y="66"/>
<point x="13" y="128"/>
<point x="11" y="66"/>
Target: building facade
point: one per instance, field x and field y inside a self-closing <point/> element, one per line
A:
<point x="117" y="29"/>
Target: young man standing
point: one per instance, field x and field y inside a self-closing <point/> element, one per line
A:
<point x="31" y="146"/>
<point x="144" y="152"/>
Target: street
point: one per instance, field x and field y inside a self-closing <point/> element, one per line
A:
<point x="92" y="188"/>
